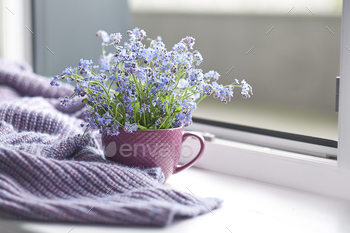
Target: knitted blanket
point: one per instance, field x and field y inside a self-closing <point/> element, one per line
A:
<point x="46" y="176"/>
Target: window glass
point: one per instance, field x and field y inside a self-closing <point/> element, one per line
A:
<point x="289" y="51"/>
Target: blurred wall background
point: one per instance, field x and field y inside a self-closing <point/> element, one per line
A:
<point x="296" y="62"/>
<point x="68" y="28"/>
<point x="289" y="53"/>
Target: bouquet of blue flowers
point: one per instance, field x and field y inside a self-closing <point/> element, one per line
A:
<point x="140" y="88"/>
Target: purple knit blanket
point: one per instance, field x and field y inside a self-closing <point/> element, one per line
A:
<point x="46" y="176"/>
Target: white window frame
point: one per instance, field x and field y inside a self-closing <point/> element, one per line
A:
<point x="16" y="32"/>
<point x="296" y="170"/>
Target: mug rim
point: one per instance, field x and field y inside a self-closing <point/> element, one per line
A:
<point x="149" y="130"/>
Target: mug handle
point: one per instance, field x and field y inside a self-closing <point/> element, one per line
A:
<point x="200" y="153"/>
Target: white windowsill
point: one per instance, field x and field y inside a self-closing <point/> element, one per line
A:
<point x="249" y="206"/>
<point x="288" y="169"/>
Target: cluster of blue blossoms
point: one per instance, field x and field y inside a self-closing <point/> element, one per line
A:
<point x="140" y="88"/>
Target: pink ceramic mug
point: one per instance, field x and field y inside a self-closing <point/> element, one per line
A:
<point x="150" y="148"/>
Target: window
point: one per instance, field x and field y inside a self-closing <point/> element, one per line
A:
<point x="267" y="158"/>
<point x="289" y="52"/>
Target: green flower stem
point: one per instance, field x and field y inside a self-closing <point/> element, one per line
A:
<point x="161" y="125"/>
<point x="202" y="98"/>
<point x="99" y="94"/>
<point x="97" y="83"/>
<point x="169" y="124"/>
<point x="103" y="52"/>
<point x="109" y="89"/>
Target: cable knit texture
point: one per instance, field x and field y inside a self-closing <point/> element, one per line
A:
<point x="46" y="176"/>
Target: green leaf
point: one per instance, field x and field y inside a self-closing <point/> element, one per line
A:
<point x="114" y="111"/>
<point x="167" y="109"/>
<point x="164" y="98"/>
<point x="177" y="109"/>
<point x="117" y="96"/>
<point x="86" y="101"/>
<point x="136" y="114"/>
<point x="141" y="127"/>
<point x="94" y="83"/>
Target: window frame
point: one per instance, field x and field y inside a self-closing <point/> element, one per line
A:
<point x="344" y="95"/>
<point x="17" y="45"/>
<point x="298" y="170"/>
<point x="268" y="138"/>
